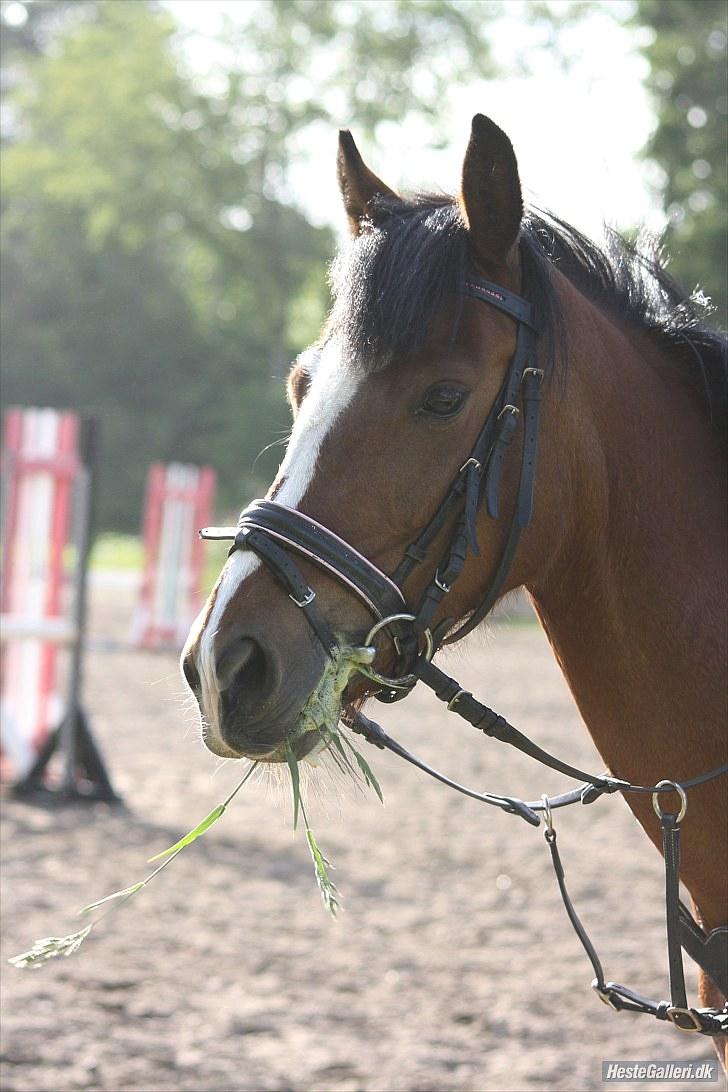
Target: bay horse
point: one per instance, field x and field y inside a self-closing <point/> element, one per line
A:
<point x="623" y="549"/>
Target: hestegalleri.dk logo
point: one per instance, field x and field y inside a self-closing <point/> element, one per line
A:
<point x="660" y="1071"/>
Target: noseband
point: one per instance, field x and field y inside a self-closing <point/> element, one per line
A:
<point x="274" y="532"/>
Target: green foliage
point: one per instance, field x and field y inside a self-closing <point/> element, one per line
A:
<point x="190" y="837"/>
<point x="130" y="288"/>
<point x="689" y="80"/>
<point x="365" y="771"/>
<point x="295" y="783"/>
<point x="125" y="893"/>
<point x="320" y="864"/>
<point x="156" y="273"/>
<point x="294" y="62"/>
<point x="327" y="887"/>
<point x="114" y="552"/>
<point x="52" y="947"/>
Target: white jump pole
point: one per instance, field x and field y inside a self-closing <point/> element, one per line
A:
<point x="48" y="469"/>
<point x="179" y="501"/>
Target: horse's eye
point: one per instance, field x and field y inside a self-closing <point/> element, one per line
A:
<point x="444" y="400"/>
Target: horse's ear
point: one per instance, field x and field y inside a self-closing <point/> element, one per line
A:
<point x="357" y="183"/>
<point x="490" y="196"/>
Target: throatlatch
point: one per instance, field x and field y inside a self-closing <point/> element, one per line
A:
<point x="273" y="531"/>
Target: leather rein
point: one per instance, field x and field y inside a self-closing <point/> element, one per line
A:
<point x="274" y="532"/>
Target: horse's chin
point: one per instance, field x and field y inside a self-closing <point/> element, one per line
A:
<point x="218" y="747"/>
<point x="306" y="746"/>
<point x="305" y="743"/>
<point x="338" y="690"/>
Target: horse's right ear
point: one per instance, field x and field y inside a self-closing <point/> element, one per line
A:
<point x="490" y="196"/>
<point x="357" y="183"/>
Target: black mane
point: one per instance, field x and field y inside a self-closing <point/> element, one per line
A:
<point x="408" y="264"/>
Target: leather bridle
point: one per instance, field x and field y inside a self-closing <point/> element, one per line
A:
<point x="274" y="532"/>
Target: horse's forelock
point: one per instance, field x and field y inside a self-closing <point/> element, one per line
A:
<point x="404" y="269"/>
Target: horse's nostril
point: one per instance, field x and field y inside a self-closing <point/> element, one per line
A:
<point x="190" y="672"/>
<point x="243" y="675"/>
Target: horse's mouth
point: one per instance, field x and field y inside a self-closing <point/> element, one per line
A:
<point x="317" y="722"/>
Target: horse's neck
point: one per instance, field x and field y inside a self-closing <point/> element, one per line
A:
<point x="634" y="603"/>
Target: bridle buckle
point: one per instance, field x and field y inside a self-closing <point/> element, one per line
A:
<point x="684" y="1019"/>
<point x="472" y="461"/>
<point x="456" y="698"/>
<point x="307" y="599"/>
<point x="446" y="588"/>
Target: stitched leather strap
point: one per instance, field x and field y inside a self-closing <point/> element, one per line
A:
<point x="706" y="1021"/>
<point x="708" y="950"/>
<point x="488" y="721"/>
<point x="524" y="505"/>
<point x="531" y="405"/>
<point x="671" y="854"/>
<point x="298" y="532"/>
<point x="287" y="573"/>
<point x="376" y="735"/>
<point x="501" y="298"/>
<point x="505" y="430"/>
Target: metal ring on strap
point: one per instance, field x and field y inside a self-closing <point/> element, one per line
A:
<point x="404" y="682"/>
<point x="662" y="785"/>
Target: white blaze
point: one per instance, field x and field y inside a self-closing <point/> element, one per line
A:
<point x="331" y="389"/>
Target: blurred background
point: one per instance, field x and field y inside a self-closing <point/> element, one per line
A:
<point x="169" y="210"/>
<point x="169" y="198"/>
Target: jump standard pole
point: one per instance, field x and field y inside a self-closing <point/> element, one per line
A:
<point x="84" y="774"/>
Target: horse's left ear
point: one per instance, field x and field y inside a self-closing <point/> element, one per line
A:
<point x="357" y="183"/>
<point x="490" y="196"/>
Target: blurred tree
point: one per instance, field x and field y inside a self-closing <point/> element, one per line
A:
<point x="689" y="79"/>
<point x="136" y="284"/>
<point x="155" y="269"/>
<point x="29" y="28"/>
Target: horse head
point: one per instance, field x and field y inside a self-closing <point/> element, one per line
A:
<point x="387" y="406"/>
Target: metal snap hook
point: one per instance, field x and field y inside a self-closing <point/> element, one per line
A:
<point x="604" y="994"/>
<point x="549" y="833"/>
<point x="663" y="785"/>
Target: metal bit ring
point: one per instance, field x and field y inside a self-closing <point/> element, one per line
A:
<point x="404" y="682"/>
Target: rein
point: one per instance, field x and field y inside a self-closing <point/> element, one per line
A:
<point x="274" y="531"/>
